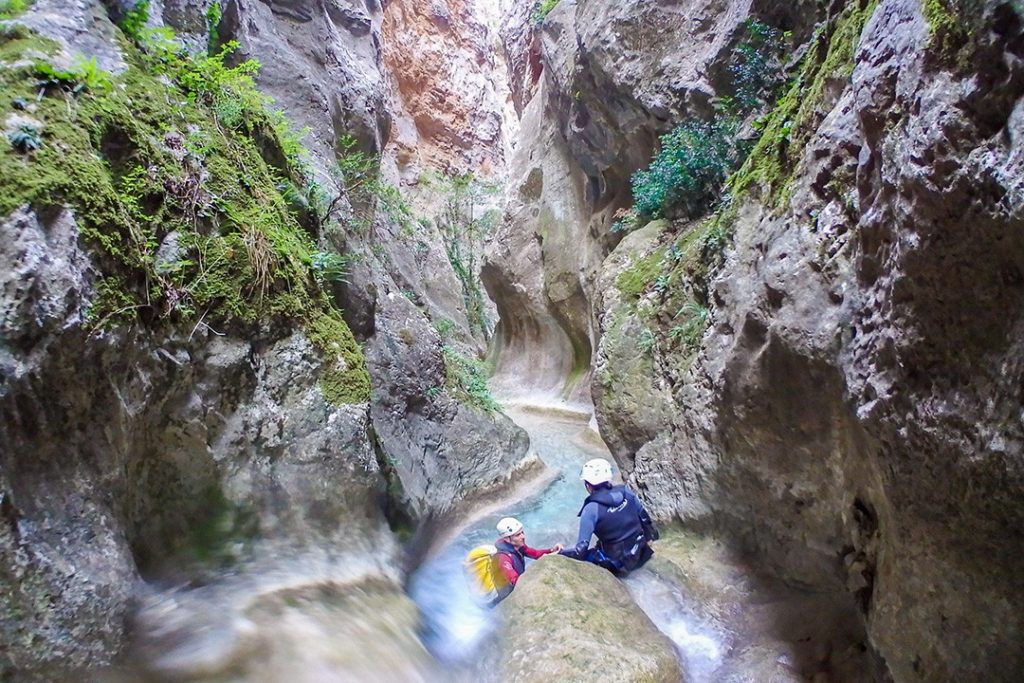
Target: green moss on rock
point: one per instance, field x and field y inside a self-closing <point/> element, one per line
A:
<point x="13" y="8"/>
<point x="635" y="280"/>
<point x="345" y="378"/>
<point x="466" y="381"/>
<point x="953" y="25"/>
<point x="182" y="215"/>
<point x="829" y="61"/>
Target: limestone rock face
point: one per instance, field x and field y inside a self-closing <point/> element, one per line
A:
<point x="755" y="627"/>
<point x="440" y="57"/>
<point x="443" y="451"/>
<point x="80" y="28"/>
<point x="320" y="61"/>
<point x="854" y="413"/>
<point x="145" y="451"/>
<point x="595" y="85"/>
<point x="627" y="384"/>
<point x="570" y="620"/>
<point x="522" y="51"/>
<point x="66" y="569"/>
<point x="159" y="453"/>
<point x="536" y="271"/>
<point x="371" y="70"/>
<point x="624" y="71"/>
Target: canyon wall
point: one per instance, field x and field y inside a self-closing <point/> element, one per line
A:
<point x="850" y="408"/>
<point x="154" y="442"/>
<point x="824" y="371"/>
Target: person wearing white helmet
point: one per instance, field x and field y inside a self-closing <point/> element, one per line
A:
<point x="513" y="551"/>
<point x="617" y="517"/>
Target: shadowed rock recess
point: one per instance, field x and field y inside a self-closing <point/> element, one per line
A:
<point x="240" y="363"/>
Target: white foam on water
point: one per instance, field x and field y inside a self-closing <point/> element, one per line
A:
<point x="701" y="647"/>
<point x="694" y="645"/>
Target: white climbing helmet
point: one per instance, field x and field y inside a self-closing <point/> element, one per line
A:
<point x="596" y="471"/>
<point x="509" y="526"/>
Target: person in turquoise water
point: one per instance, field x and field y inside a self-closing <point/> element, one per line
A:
<point x="513" y="551"/>
<point x="616" y="516"/>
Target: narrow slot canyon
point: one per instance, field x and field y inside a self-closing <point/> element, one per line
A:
<point x="300" y="298"/>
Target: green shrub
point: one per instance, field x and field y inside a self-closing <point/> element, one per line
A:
<point x="133" y="22"/>
<point x="444" y="327"/>
<point x="328" y="266"/>
<point x="213" y="17"/>
<point x="691" y="166"/>
<point x="626" y="220"/>
<point x="756" y="67"/>
<point x="357" y="171"/>
<point x="229" y="91"/>
<point x="355" y="176"/>
<point x="543" y="8"/>
<point x="84" y="75"/>
<point x="466" y="379"/>
<point x="646" y="341"/>
<point x="464" y="227"/>
<point x="394" y="206"/>
<point x="686" y="175"/>
<point x="12" y="8"/>
<point x="689" y="331"/>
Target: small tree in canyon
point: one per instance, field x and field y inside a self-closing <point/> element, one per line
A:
<point x="688" y="172"/>
<point x="464" y="223"/>
<point x="685" y="179"/>
<point x="353" y="177"/>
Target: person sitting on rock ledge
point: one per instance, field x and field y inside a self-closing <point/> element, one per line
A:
<point x="616" y="516"/>
<point x="513" y="551"/>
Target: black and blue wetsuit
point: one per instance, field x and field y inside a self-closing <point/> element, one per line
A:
<point x="622" y="526"/>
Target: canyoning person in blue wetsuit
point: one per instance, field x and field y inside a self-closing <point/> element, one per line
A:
<point x="513" y="551"/>
<point x="616" y="516"/>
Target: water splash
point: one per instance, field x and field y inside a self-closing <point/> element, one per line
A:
<point x="454" y="626"/>
<point x="700" y="645"/>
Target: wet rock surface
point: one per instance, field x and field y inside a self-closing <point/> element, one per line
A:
<point x="570" y="620"/>
<point x="743" y="626"/>
<point x="626" y="382"/>
<point x="186" y="455"/>
<point x="283" y="626"/>
<point x="536" y="272"/>
<point x="852" y="417"/>
<point x="851" y="422"/>
<point x="441" y="450"/>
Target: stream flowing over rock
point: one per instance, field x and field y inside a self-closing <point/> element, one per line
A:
<point x="817" y="374"/>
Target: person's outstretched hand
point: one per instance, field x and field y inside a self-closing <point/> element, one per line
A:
<point x="557" y="548"/>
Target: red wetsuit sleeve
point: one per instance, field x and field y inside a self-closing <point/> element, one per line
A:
<point x="534" y="553"/>
<point x="505" y="562"/>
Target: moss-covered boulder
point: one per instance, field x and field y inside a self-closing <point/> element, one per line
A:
<point x="573" y="621"/>
<point x="631" y="405"/>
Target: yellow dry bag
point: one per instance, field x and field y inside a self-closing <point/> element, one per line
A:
<point x="483" y="574"/>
